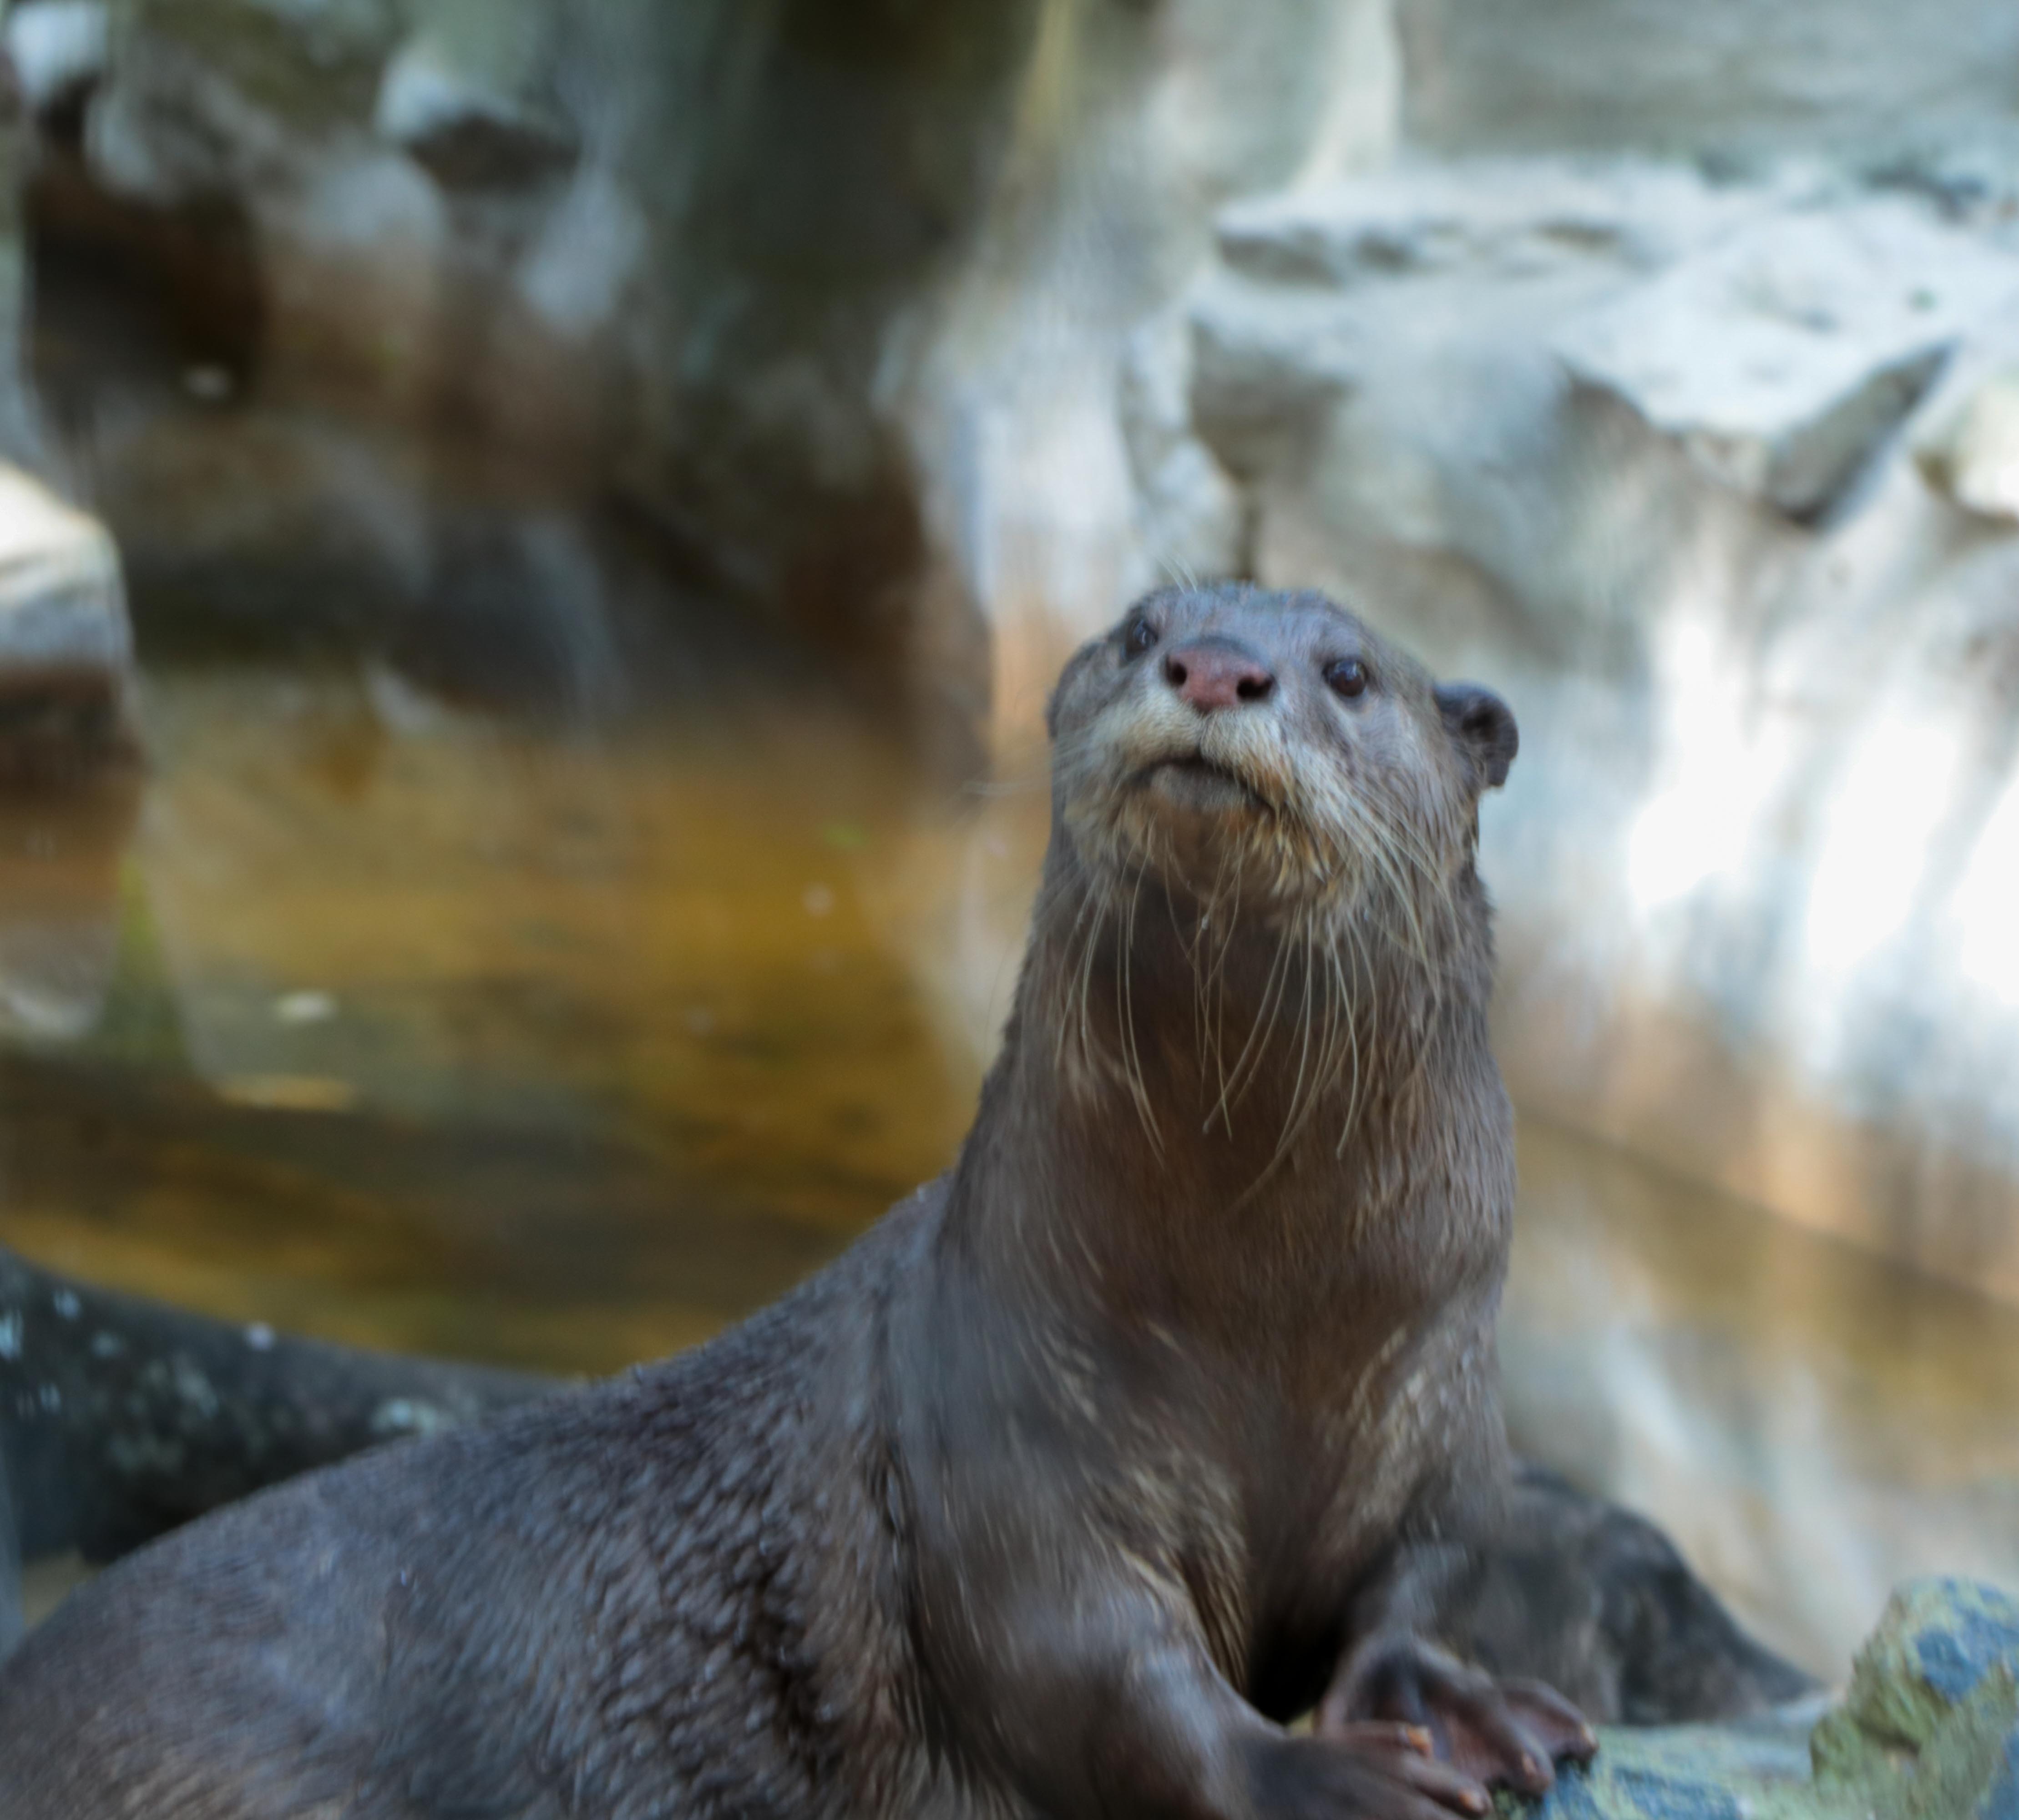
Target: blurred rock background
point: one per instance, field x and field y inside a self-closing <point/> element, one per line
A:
<point x="1658" y="365"/>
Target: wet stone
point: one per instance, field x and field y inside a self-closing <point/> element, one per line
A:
<point x="1927" y="1730"/>
<point x="1955" y="1662"/>
<point x="2001" y="1801"/>
<point x="1740" y="1771"/>
<point x="1943" y="1647"/>
<point x="66" y="648"/>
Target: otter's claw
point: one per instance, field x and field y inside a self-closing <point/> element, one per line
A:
<point x="1507" y="1732"/>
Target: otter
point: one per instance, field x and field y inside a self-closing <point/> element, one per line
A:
<point x="1161" y="1418"/>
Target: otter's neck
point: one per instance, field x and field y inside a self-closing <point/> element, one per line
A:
<point x="1206" y="1127"/>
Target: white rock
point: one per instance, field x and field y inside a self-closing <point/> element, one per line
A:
<point x="66" y="657"/>
<point x="1871" y="78"/>
<point x="575" y="275"/>
<point x="1487" y="217"/>
<point x="66" y="650"/>
<point x="450" y="113"/>
<point x="1972" y="453"/>
<point x="57" y="49"/>
<point x="420" y="93"/>
<point x="1779" y="356"/>
<point x="1191" y="514"/>
<point x="62" y="607"/>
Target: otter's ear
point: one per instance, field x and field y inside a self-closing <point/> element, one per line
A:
<point x="1484" y="726"/>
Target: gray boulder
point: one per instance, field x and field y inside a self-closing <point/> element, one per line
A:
<point x="1781" y="354"/>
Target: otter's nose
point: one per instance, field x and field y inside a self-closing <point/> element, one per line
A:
<point x="1212" y="675"/>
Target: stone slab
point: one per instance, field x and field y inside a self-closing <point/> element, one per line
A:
<point x="65" y="644"/>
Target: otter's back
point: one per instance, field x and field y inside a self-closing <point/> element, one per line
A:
<point x="610" y="1601"/>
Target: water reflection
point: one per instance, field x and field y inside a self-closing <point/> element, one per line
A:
<point x="1811" y="1423"/>
<point x="425" y="1027"/>
<point x="59" y="873"/>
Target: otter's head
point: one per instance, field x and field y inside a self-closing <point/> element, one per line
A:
<point x="1231" y="737"/>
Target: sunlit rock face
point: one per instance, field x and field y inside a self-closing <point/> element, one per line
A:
<point x="1640" y="448"/>
<point x="66" y="650"/>
<point x="1860" y="76"/>
<point x="58" y="50"/>
<point x="1135" y="125"/>
<point x="66" y="708"/>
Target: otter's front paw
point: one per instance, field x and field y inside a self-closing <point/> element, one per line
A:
<point x="1376" y="1771"/>
<point x="1509" y="1732"/>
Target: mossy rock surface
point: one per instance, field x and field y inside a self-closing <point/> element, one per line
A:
<point x="1927" y="1730"/>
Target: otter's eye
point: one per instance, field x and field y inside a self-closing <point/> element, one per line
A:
<point x="1347" y="676"/>
<point x="1140" y="637"/>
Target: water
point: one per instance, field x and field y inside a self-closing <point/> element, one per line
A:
<point x="467" y="1037"/>
<point x="510" y="953"/>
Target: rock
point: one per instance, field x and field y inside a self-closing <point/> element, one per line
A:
<point x="474" y="120"/>
<point x="58" y="50"/>
<point x="66" y="650"/>
<point x="1940" y="1643"/>
<point x="1132" y="127"/>
<point x="1930" y="1725"/>
<point x="1192" y="519"/>
<point x="1970" y="452"/>
<point x="122" y="1418"/>
<point x="1504" y="218"/>
<point x="844" y="311"/>
<point x="1863" y="78"/>
<point x="1780" y="355"/>
<point x="1928" y="1730"/>
<point x="264" y="530"/>
<point x="1690" y="1773"/>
